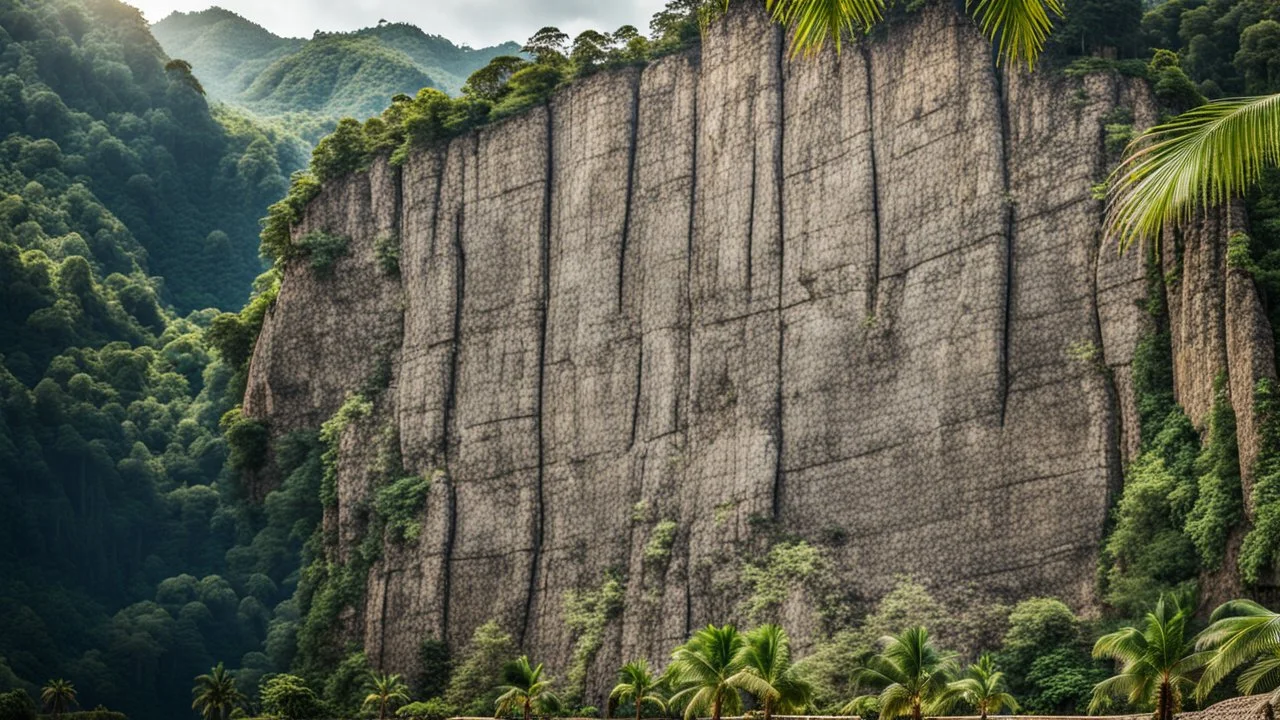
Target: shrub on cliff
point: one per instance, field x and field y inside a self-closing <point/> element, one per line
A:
<point x="477" y="674"/>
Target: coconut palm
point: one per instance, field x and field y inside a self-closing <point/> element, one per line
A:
<point x="637" y="684"/>
<point x="983" y="689"/>
<point x="1242" y="632"/>
<point x="215" y="695"/>
<point x="910" y="674"/>
<point x="1157" y="663"/>
<point x="385" y="692"/>
<point x="58" y="696"/>
<point x="523" y="688"/>
<point x="767" y="672"/>
<point x="1020" y="26"/>
<point x="701" y="669"/>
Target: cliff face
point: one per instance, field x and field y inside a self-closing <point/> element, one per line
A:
<point x="859" y="300"/>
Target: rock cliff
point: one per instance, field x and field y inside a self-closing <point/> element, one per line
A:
<point x="682" y="312"/>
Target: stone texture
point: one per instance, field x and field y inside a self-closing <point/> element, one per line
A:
<point x="861" y="300"/>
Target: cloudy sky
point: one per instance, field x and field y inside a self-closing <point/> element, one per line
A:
<point x="476" y="22"/>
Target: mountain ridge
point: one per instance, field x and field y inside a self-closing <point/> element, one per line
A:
<point x="333" y="74"/>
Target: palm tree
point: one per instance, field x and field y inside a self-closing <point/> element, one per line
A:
<point x="767" y="672"/>
<point x="983" y="689"/>
<point x="911" y="674"/>
<point x="1020" y="26"/>
<point x="636" y="683"/>
<point x="215" y="695"/>
<point x="384" y="692"/>
<point x="1240" y="632"/>
<point x="702" y="668"/>
<point x="1156" y="663"/>
<point x="523" y="688"/>
<point x="58" y="696"/>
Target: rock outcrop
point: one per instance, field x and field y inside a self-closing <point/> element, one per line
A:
<point x="861" y="300"/>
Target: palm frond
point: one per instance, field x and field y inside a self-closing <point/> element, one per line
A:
<point x="1202" y="158"/>
<point x="1261" y="676"/>
<point x="815" y="22"/>
<point x="1020" y="27"/>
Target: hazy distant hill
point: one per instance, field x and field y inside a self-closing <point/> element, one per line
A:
<point x="332" y="74"/>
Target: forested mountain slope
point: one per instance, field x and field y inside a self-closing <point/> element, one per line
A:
<point x="125" y="203"/>
<point x="332" y="74"/>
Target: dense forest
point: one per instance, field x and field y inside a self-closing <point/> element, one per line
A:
<point x="132" y="559"/>
<point x="309" y="84"/>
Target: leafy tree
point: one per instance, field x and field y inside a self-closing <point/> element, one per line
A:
<point x="983" y="689"/>
<point x="547" y="46"/>
<point x="216" y="695"/>
<point x="17" y="705"/>
<point x="701" y="671"/>
<point x="385" y="693"/>
<point x="523" y="688"/>
<point x="590" y="49"/>
<point x="480" y="669"/>
<point x="911" y="675"/>
<point x="768" y="674"/>
<point x="1258" y="61"/>
<point x="637" y="685"/>
<point x="58" y="696"/>
<point x="1241" y="632"/>
<point x="289" y="697"/>
<point x="1156" y="663"/>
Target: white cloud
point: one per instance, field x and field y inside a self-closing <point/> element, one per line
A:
<point x="475" y="22"/>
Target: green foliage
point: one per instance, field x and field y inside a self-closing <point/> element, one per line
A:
<point x="17" y="705"/>
<point x="479" y="670"/>
<point x="701" y="670"/>
<point x="386" y="250"/>
<point x="1118" y="125"/>
<point x="323" y="250"/>
<point x="657" y="550"/>
<point x="1173" y="89"/>
<point x="587" y="614"/>
<point x="433" y="658"/>
<point x="910" y="674"/>
<point x="787" y="566"/>
<point x="1219" y="506"/>
<point x="433" y="709"/>
<point x="1044" y="647"/>
<point x="247" y="440"/>
<point x="1155" y="663"/>
<point x="1260" y="553"/>
<point x="344" y="690"/>
<point x="277" y="226"/>
<point x="288" y="697"/>
<point x="354" y="408"/>
<point x="400" y="507"/>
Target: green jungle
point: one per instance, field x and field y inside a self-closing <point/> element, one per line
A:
<point x="143" y="228"/>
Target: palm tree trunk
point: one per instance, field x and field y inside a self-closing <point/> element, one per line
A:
<point x="768" y="709"/>
<point x="916" y="714"/>
<point x="715" y="709"/>
<point x="639" y="705"/>
<point x="528" y="709"/>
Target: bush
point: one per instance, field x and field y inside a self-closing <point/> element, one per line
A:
<point x="324" y="251"/>
<point x="471" y="689"/>
<point x="435" y="663"/>
<point x="386" y="248"/>
<point x="247" y="439"/>
<point x="400" y="506"/>
<point x="433" y="709"/>
<point x="17" y="705"/>
<point x="288" y="697"/>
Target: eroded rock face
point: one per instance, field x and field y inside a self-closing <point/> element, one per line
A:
<point x="860" y="300"/>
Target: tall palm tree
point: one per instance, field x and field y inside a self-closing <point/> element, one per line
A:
<point x="1241" y="632"/>
<point x="1021" y="27"/>
<point x="1157" y="663"/>
<point x="767" y="672"/>
<point x="983" y="689"/>
<point x="385" y="692"/>
<point x="524" y="688"/>
<point x="215" y="695"/>
<point x="701" y="669"/>
<point x="636" y="683"/>
<point x="910" y="673"/>
<point x="58" y="696"/>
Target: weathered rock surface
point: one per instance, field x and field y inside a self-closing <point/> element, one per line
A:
<point x="861" y="300"/>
